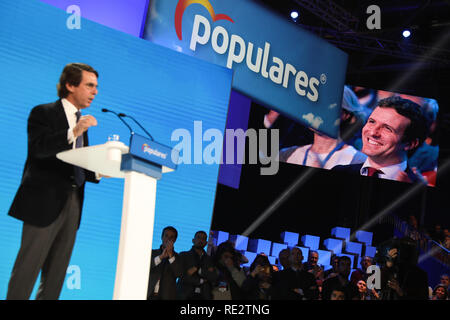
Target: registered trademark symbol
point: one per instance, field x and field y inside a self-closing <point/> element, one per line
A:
<point x="323" y="78"/>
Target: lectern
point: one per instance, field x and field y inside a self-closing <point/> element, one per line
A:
<point x="141" y="165"/>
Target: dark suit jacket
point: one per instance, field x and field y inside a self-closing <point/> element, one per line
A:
<point x="167" y="273"/>
<point x="187" y="283"/>
<point x="412" y="280"/>
<point x="285" y="281"/>
<point x="356" y="168"/>
<point x="46" y="180"/>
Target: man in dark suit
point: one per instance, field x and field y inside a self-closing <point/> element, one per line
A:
<point x="340" y="281"/>
<point x="401" y="277"/>
<point x="395" y="129"/>
<point x="50" y="197"/>
<point x="199" y="272"/>
<point x="165" y="268"/>
<point x="294" y="282"/>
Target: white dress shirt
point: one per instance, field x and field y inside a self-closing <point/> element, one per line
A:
<point x="390" y="172"/>
<point x="71" y="116"/>
<point x="70" y="111"/>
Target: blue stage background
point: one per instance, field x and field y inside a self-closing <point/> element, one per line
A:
<point x="164" y="89"/>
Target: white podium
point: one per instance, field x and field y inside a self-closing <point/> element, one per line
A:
<point x="138" y="212"/>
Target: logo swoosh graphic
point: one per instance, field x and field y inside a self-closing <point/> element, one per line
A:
<point x="183" y="4"/>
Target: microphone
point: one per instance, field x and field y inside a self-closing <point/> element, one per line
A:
<point x="120" y="115"/>
<point x="107" y="110"/>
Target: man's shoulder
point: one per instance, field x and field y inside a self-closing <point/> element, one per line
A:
<point x="306" y="274"/>
<point x="188" y="253"/>
<point x="287" y="271"/>
<point x="286" y="275"/>
<point x="47" y="107"/>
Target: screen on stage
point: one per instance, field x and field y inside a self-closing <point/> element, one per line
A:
<point x="177" y="98"/>
<point x="399" y="142"/>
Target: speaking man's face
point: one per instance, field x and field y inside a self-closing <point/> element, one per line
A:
<point x="382" y="136"/>
<point x="82" y="95"/>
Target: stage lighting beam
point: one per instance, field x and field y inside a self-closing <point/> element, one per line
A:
<point x="304" y="177"/>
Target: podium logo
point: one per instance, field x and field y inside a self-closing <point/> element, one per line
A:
<point x="147" y="149"/>
<point x="238" y="50"/>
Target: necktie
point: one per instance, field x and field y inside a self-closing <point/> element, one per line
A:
<point x="372" y="172"/>
<point x="79" y="172"/>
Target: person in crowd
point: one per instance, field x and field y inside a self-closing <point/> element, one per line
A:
<point x="198" y="271"/>
<point x="338" y="294"/>
<point x="49" y="200"/>
<point x="440" y="293"/>
<point x="165" y="268"/>
<point x="284" y="258"/>
<point x="308" y="282"/>
<point x="312" y="263"/>
<point x="390" y="287"/>
<point x="285" y="262"/>
<point x="230" y="276"/>
<point x="365" y="293"/>
<point x="340" y="281"/>
<point x="258" y="284"/>
<point x="312" y="266"/>
<point x="361" y="274"/>
<point x="294" y="282"/>
<point x="401" y="278"/>
<point x="444" y="280"/>
<point x="395" y="128"/>
<point x="327" y="152"/>
<point x="333" y="271"/>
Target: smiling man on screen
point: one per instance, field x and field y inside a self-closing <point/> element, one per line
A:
<point x="395" y="128"/>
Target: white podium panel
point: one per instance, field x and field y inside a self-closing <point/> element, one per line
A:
<point x="138" y="214"/>
<point x="136" y="234"/>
